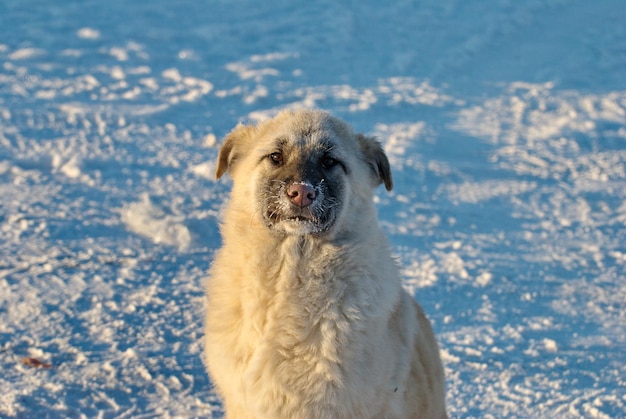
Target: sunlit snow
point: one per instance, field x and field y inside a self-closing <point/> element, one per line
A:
<point x="505" y="123"/>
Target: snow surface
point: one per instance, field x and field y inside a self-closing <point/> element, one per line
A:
<point x="505" y="123"/>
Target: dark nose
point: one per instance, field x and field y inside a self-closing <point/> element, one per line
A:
<point x="301" y="194"/>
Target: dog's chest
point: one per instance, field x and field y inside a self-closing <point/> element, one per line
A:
<point x="308" y="301"/>
<point x="303" y="334"/>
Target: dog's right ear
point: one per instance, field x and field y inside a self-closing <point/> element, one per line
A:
<point x="233" y="148"/>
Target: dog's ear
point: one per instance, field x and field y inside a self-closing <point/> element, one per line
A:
<point x="233" y="147"/>
<point x="377" y="159"/>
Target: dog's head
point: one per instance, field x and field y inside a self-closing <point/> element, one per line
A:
<point x="303" y="172"/>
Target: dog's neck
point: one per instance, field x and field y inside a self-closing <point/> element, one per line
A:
<point x="282" y="255"/>
<point x="294" y="260"/>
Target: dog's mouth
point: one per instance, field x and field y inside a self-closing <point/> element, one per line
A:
<point x="300" y="221"/>
<point x="281" y="215"/>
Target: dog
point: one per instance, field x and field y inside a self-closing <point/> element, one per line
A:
<point x="306" y="314"/>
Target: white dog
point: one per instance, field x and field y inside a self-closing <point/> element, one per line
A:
<point x="306" y="314"/>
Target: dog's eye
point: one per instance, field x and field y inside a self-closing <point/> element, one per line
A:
<point x="329" y="162"/>
<point x="277" y="158"/>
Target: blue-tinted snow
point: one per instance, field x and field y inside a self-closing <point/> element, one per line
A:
<point x="505" y="123"/>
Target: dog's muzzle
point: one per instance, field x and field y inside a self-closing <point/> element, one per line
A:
<point x="300" y="208"/>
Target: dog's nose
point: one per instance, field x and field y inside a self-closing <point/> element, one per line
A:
<point x="301" y="194"/>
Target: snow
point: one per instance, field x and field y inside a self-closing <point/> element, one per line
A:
<point x="505" y="123"/>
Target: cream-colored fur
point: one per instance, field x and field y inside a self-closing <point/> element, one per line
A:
<point x="309" y="324"/>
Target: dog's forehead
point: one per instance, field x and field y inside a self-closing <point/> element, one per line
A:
<point x="311" y="131"/>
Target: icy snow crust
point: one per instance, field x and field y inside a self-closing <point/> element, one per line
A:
<point x="505" y="123"/>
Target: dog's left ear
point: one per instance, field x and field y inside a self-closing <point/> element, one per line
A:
<point x="233" y="148"/>
<point x="377" y="159"/>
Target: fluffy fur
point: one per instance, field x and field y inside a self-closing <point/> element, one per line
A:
<point x="306" y="315"/>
